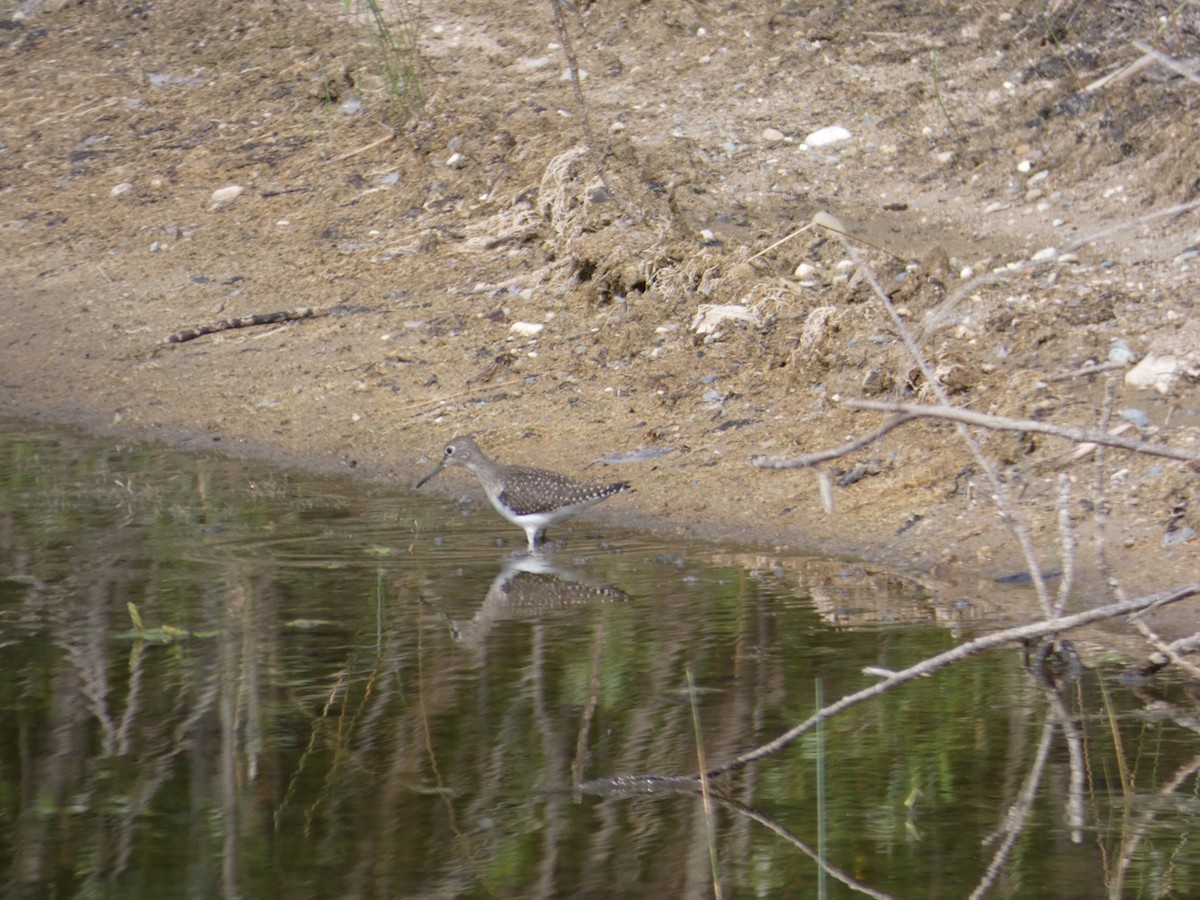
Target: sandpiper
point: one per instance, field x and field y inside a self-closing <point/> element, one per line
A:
<point x="532" y="498"/>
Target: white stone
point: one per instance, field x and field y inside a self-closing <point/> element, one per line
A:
<point x="829" y="135"/>
<point x="1044" y="254"/>
<point x="526" y="329"/>
<point x="533" y="63"/>
<point x="772" y="135"/>
<point x="118" y="189"/>
<point x="1158" y="372"/>
<point x="226" y="194"/>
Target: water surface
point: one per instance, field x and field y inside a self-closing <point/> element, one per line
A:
<point x="226" y="680"/>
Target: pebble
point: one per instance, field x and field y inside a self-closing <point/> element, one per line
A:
<point x="1120" y="352"/>
<point x="456" y="161"/>
<point x="1186" y="533"/>
<point x="1044" y="254"/>
<point x="533" y="63"/>
<point x="831" y="134"/>
<point x="526" y="329"/>
<point x="1158" y="372"/>
<point x="772" y="135"/>
<point x="226" y="194"/>
<point x="118" y="189"/>
<point x="995" y="207"/>
<point x="1136" y="416"/>
<point x="804" y="270"/>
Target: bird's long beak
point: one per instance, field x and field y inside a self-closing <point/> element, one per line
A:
<point x="439" y="468"/>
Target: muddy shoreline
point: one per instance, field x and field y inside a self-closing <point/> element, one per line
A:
<point x="480" y="277"/>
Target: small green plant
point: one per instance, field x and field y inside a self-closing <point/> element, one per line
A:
<point x="390" y="29"/>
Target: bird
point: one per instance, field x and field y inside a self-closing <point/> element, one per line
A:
<point x="532" y="498"/>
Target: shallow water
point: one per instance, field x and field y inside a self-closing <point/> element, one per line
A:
<point x="344" y="690"/>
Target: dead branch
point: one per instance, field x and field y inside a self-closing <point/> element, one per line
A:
<point x="1000" y="491"/>
<point x="820" y="456"/>
<point x="1018" y="813"/>
<point x="1032" y="631"/>
<point x="1084" y="371"/>
<point x="292" y="315"/>
<point x="1006" y="423"/>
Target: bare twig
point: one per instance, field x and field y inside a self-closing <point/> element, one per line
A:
<point x="1095" y="236"/>
<point x="1100" y="504"/>
<point x="1124" y="72"/>
<point x="782" y="240"/>
<point x="1006" y="423"/>
<point x="1084" y="371"/>
<point x="292" y="315"/>
<point x="1000" y="491"/>
<point x="1167" y="652"/>
<point x="568" y="48"/>
<point x="363" y="149"/>
<point x="1018" y="813"/>
<point x="942" y="312"/>
<point x="1162" y="59"/>
<point x="820" y="456"/>
<point x="1066" y="539"/>
<point x="1075" y="783"/>
<point x="1055" y="625"/>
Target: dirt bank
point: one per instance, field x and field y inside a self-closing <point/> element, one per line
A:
<point x="472" y="272"/>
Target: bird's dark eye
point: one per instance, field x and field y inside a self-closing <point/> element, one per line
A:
<point x="449" y="451"/>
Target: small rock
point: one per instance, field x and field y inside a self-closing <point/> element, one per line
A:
<point x="772" y="135"/>
<point x="533" y="63"/>
<point x="829" y="135"/>
<point x="1158" y="372"/>
<point x="1136" y="416"/>
<point x="1120" y="352"/>
<point x="804" y="270"/>
<point x="118" y="189"/>
<point x="1044" y="254"/>
<point x="456" y="161"/>
<point x="226" y="194"/>
<point x="1178" y="536"/>
<point x="526" y="329"/>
